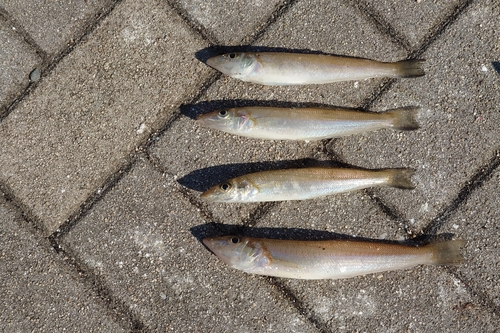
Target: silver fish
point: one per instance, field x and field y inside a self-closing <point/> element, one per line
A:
<point x="305" y="123"/>
<point x="331" y="259"/>
<point x="281" y="68"/>
<point x="304" y="183"/>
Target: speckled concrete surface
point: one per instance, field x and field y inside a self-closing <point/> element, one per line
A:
<point x="102" y="164"/>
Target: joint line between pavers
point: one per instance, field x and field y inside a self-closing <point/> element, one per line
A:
<point x="19" y="30"/>
<point x="483" y="174"/>
<point x="108" y="184"/>
<point x="49" y="64"/>
<point x="441" y="28"/>
<point x="299" y="305"/>
<point x="116" y="308"/>
<point x="193" y="24"/>
<point x="280" y="11"/>
<point x="381" y="24"/>
<point x="480" y="296"/>
<point x="23" y="209"/>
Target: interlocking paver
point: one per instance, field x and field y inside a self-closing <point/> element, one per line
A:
<point x="17" y="60"/>
<point x="37" y="292"/>
<point x="138" y="240"/>
<point x="55" y="24"/>
<point x="477" y="222"/>
<point x="414" y="20"/>
<point x="229" y="23"/>
<point x="459" y="119"/>
<point x="99" y="103"/>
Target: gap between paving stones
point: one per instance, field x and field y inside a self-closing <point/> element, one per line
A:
<point x="19" y="29"/>
<point x="48" y="64"/>
<point x="480" y="296"/>
<point x="298" y="304"/>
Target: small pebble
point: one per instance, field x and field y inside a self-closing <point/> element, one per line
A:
<point x="35" y="75"/>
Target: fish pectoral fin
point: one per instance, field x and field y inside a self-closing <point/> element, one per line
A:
<point x="284" y="263"/>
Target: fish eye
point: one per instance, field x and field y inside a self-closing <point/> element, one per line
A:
<point x="223" y="113"/>
<point x="232" y="55"/>
<point x="235" y="240"/>
<point x="225" y="186"/>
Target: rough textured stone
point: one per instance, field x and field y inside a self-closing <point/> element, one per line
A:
<point x="476" y="221"/>
<point x="108" y="95"/>
<point x="458" y="120"/>
<point x="138" y="240"/>
<point x="37" y="291"/>
<point x="230" y="24"/>
<point x="17" y="60"/>
<point x="54" y="24"/>
<point x="414" y="20"/>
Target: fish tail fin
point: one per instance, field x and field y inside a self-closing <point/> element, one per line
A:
<point x="404" y="119"/>
<point x="400" y="178"/>
<point x="446" y="252"/>
<point x="409" y="68"/>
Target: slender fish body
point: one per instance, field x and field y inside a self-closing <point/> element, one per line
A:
<point x="280" y="68"/>
<point x="305" y="123"/>
<point x="331" y="259"/>
<point x="304" y="183"/>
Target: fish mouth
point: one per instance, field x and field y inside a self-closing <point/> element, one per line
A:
<point x="214" y="62"/>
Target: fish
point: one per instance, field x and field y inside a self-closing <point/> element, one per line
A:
<point x="272" y="123"/>
<point x="282" y="68"/>
<point x="327" y="259"/>
<point x="304" y="183"/>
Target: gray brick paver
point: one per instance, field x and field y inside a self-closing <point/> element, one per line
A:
<point x="96" y="106"/>
<point x="37" y="291"/>
<point x="53" y="25"/>
<point x="17" y="60"/>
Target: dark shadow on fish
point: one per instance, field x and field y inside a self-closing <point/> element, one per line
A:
<point x="496" y="66"/>
<point x="194" y="110"/>
<point x="216" y="229"/>
<point x="203" y="179"/>
<point x="212" y="51"/>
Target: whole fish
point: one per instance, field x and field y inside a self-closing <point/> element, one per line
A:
<point x="280" y="68"/>
<point x="331" y="259"/>
<point x="305" y="123"/>
<point x="304" y="183"/>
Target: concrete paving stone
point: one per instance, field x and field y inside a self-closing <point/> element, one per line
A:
<point x="229" y="24"/>
<point x="477" y="222"/>
<point x="37" y="291"/>
<point x="207" y="148"/>
<point x="17" y="60"/>
<point x="459" y="120"/>
<point x="423" y="299"/>
<point x="98" y="104"/>
<point x="138" y="240"/>
<point x="55" y="24"/>
<point x="414" y="20"/>
<point x="350" y="214"/>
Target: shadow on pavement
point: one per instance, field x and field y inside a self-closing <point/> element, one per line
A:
<point x="194" y="110"/>
<point x="496" y="66"/>
<point x="217" y="229"/>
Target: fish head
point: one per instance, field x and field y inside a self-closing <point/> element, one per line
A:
<point x="241" y="253"/>
<point x="233" y="190"/>
<point x="237" y="65"/>
<point x="233" y="121"/>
